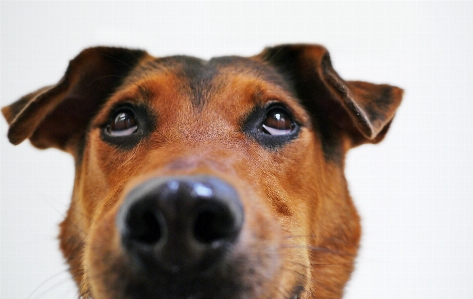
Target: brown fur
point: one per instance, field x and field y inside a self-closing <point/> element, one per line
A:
<point x="301" y="230"/>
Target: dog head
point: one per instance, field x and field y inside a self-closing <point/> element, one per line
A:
<point x="207" y="179"/>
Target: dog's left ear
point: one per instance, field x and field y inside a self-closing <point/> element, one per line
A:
<point x="58" y="115"/>
<point x="362" y="111"/>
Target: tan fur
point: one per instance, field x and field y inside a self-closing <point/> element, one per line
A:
<point x="301" y="230"/>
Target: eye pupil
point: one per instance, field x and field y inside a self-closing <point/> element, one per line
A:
<point x="123" y="121"/>
<point x="122" y="124"/>
<point x="278" y="122"/>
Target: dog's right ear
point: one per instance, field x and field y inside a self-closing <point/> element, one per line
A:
<point x="58" y="115"/>
<point x="361" y="111"/>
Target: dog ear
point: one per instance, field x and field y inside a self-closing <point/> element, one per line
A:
<point x="361" y="110"/>
<point x="58" y="115"/>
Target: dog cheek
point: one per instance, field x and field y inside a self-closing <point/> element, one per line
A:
<point x="268" y="261"/>
<point x="72" y="243"/>
<point x="91" y="182"/>
<point x="302" y="193"/>
<point x="107" y="169"/>
<point x="258" y="255"/>
<point x="104" y="262"/>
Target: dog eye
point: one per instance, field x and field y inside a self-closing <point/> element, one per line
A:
<point x="123" y="123"/>
<point x="272" y="126"/>
<point x="278" y="122"/>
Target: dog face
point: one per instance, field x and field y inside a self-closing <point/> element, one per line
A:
<point x="207" y="179"/>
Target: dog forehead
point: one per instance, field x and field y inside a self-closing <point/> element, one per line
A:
<point x="200" y="78"/>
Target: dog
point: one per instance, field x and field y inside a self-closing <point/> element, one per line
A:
<point x="207" y="179"/>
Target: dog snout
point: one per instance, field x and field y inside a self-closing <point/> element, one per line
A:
<point x="183" y="223"/>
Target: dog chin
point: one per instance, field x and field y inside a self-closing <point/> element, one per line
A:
<point x="239" y="277"/>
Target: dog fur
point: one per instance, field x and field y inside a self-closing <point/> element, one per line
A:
<point x="298" y="232"/>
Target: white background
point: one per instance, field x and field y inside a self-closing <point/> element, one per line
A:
<point x="414" y="191"/>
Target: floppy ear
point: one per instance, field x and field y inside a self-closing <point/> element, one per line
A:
<point x="58" y="115"/>
<point x="360" y="110"/>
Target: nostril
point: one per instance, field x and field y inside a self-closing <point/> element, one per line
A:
<point x="144" y="228"/>
<point x="213" y="224"/>
<point x="184" y="223"/>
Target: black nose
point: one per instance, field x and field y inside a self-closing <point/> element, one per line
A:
<point x="180" y="223"/>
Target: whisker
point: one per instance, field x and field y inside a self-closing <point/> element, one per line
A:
<point x="57" y="284"/>
<point x="275" y="53"/>
<point x="315" y="237"/>
<point x="80" y="230"/>
<point x="65" y="271"/>
<point x="315" y="248"/>
<point x="332" y="264"/>
<point x="119" y="60"/>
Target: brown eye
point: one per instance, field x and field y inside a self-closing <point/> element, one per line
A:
<point x="122" y="124"/>
<point x="278" y="122"/>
